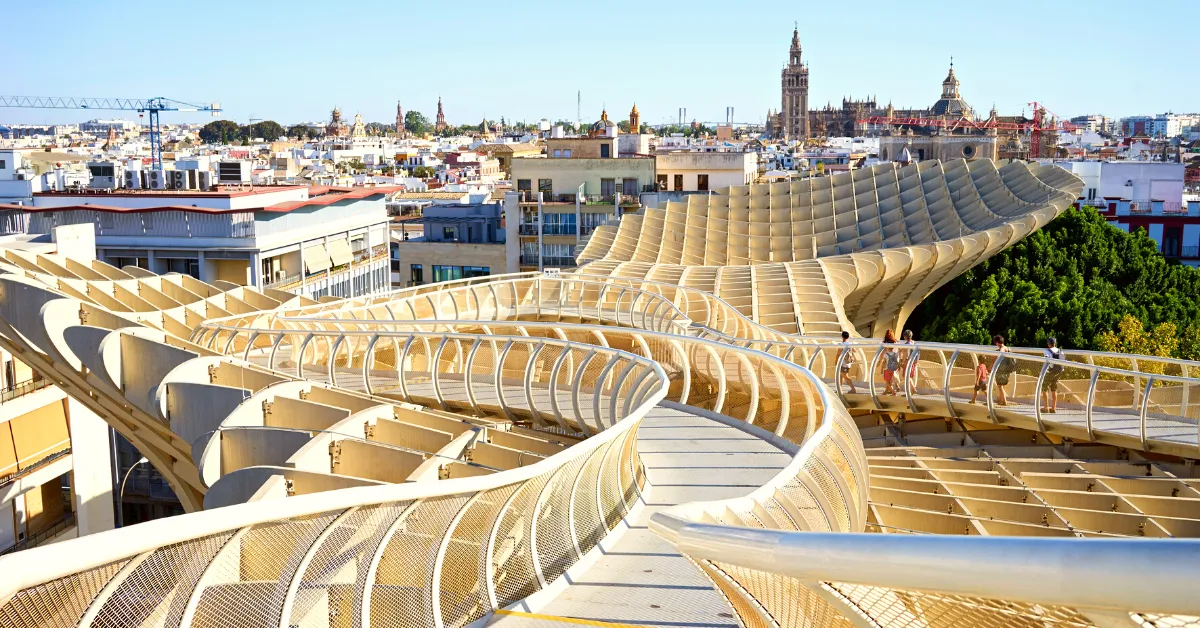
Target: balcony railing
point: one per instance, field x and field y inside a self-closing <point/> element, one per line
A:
<point x="565" y="261"/>
<point x="1156" y="208"/>
<point x="42" y="536"/>
<point x="12" y="222"/>
<point x="547" y="229"/>
<point x="1184" y="252"/>
<point x="22" y="389"/>
<point x="162" y="223"/>
<point x="285" y="282"/>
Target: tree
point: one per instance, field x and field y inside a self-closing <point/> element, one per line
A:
<point x="300" y="131"/>
<point x="219" y="132"/>
<point x="424" y="172"/>
<point x="416" y="123"/>
<point x="269" y="130"/>
<point x="1078" y="279"/>
<point x="356" y="165"/>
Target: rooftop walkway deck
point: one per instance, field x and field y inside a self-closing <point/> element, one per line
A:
<point x="640" y="579"/>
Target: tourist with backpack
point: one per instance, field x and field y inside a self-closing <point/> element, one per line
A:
<point x="1053" y="373"/>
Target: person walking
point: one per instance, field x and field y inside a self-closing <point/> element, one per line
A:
<point x="846" y="359"/>
<point x="1004" y="367"/>
<point x="981" y="374"/>
<point x="906" y="338"/>
<point x="891" y="363"/>
<point x="1053" y="374"/>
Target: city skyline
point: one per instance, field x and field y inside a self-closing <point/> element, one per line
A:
<point x="497" y="66"/>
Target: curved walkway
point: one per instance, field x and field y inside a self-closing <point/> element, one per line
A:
<point x="639" y="578"/>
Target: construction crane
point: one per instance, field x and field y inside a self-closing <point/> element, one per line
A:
<point x="151" y="106"/>
<point x="1035" y="128"/>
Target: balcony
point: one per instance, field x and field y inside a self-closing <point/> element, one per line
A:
<point x="1156" y="208"/>
<point x="1182" y="252"/>
<point x="163" y="223"/>
<point x="556" y="229"/>
<point x="13" y="222"/>
<point x="22" y="389"/>
<point x="558" y="262"/>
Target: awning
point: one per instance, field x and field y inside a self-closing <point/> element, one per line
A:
<point x="339" y="252"/>
<point x="316" y="258"/>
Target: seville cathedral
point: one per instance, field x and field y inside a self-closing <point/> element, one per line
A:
<point x="797" y="121"/>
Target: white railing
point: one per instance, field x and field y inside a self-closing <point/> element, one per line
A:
<point x="784" y="578"/>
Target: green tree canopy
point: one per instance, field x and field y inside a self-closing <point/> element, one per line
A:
<point x="219" y="132"/>
<point x="269" y="130"/>
<point x="416" y="123"/>
<point x="1075" y="279"/>
<point x="301" y="131"/>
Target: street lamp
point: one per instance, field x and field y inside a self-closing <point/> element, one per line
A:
<point x="121" y="493"/>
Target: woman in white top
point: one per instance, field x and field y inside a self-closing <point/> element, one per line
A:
<point x="1053" y="373"/>
<point x="846" y="358"/>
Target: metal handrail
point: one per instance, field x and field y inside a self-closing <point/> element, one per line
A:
<point x="24" y="388"/>
<point x="43" y="535"/>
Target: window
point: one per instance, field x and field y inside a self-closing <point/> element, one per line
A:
<point x="678" y="182"/>
<point x="523" y="185"/>
<point x="476" y="271"/>
<point x="558" y="152"/>
<point x="446" y="273"/>
<point x="567" y="153"/>
<point x="416" y="275"/>
<point x="608" y="187"/>
<point x="702" y="182"/>
<point x="629" y="187"/>
<point x="2" y="164"/>
<point x="662" y="181"/>
<point x="605" y="151"/>
<point x="546" y="187"/>
<point x="447" y="233"/>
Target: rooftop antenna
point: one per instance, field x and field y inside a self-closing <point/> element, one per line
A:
<point x="578" y="108"/>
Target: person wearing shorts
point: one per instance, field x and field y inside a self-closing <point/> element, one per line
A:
<point x="846" y="357"/>
<point x="981" y="373"/>
<point x="1002" y="369"/>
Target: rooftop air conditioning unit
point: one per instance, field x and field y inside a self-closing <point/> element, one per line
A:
<point x="204" y="180"/>
<point x="179" y="179"/>
<point x="133" y="179"/>
<point x="233" y="172"/>
<point x="156" y="180"/>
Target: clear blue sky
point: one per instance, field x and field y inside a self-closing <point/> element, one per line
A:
<point x="293" y="61"/>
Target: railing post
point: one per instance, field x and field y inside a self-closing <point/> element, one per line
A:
<point x="1142" y="413"/>
<point x="871" y="377"/>
<point x="946" y="383"/>
<point x="1037" y="393"/>
<point x="1091" y="400"/>
<point x="914" y="357"/>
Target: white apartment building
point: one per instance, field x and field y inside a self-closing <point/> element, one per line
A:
<point x="313" y="241"/>
<point x="56" y="479"/>
<point x="692" y="171"/>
